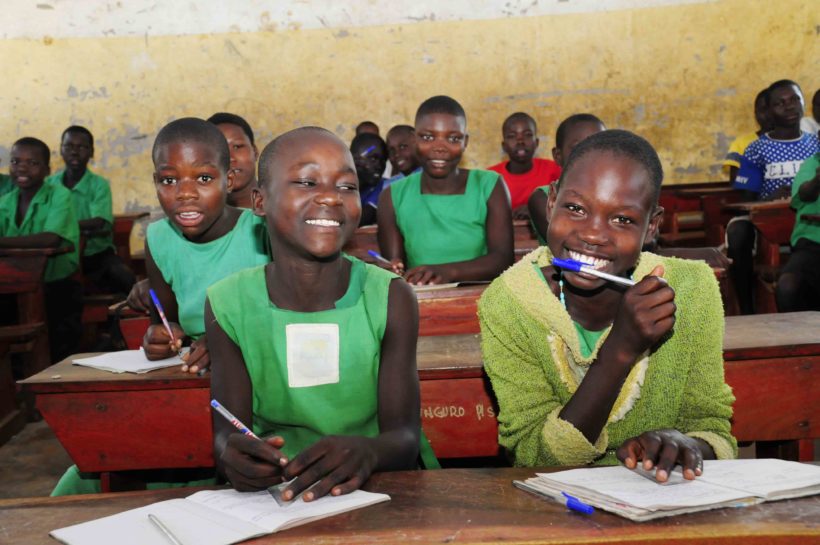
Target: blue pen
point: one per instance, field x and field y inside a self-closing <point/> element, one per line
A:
<point x="378" y="257"/>
<point x="161" y="314"/>
<point x="572" y="503"/>
<point x="368" y="151"/>
<point x="577" y="266"/>
<point x="232" y="419"/>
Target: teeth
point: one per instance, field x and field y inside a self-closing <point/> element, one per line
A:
<point x="437" y="163"/>
<point x="596" y="263"/>
<point x="323" y="223"/>
<point x="189" y="215"/>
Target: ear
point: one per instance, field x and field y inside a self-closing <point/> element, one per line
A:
<point x="551" y="198"/>
<point x="231" y="175"/>
<point x="556" y="156"/>
<point x="466" y="140"/>
<point x="537" y="141"/>
<point x="258" y="200"/>
<point x="255" y="154"/>
<point x="155" y="176"/>
<point x="654" y="225"/>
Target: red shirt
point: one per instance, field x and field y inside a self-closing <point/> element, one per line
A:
<point x="521" y="186"/>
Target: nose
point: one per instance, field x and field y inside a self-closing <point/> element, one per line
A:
<point x="187" y="190"/>
<point x="593" y="233"/>
<point x="328" y="197"/>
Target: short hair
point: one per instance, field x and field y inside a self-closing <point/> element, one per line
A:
<point x="783" y="83"/>
<point x="621" y="143"/>
<point x="571" y="121"/>
<point x="519" y="116"/>
<point x="369" y="139"/>
<point x="193" y="129"/>
<point x="30" y="141"/>
<point x="363" y="124"/>
<point x="221" y="118"/>
<point x="78" y="129"/>
<point x="406" y="129"/>
<point x="763" y="95"/>
<point x="271" y="151"/>
<point x="440" y="104"/>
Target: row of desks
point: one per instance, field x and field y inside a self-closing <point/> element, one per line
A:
<point x="110" y="422"/>
<point x="456" y="506"/>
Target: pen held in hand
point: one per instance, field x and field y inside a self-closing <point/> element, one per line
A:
<point x="379" y="257"/>
<point x="232" y="419"/>
<point x="577" y="266"/>
<point x="161" y="312"/>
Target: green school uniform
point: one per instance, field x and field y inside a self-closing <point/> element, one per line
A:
<point x="190" y="267"/>
<point x="50" y="211"/>
<point x="6" y="185"/>
<point x="443" y="228"/>
<point x="92" y="199"/>
<point x="805" y="229"/>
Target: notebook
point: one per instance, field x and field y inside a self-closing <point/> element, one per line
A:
<point x="211" y="517"/>
<point x="724" y="483"/>
<point x="128" y="361"/>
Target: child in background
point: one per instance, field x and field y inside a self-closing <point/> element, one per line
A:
<point x="39" y="215"/>
<point x="6" y="185"/>
<point x="767" y="169"/>
<point x="316" y="349"/>
<point x="587" y="371"/>
<point x="244" y="154"/>
<point x="797" y="287"/>
<point x="401" y="150"/>
<point x="91" y="195"/>
<point x="447" y="224"/>
<point x="739" y="144"/>
<point x="367" y="127"/>
<point x="370" y="155"/>
<point x="523" y="173"/>
<point x="570" y="132"/>
<point x="811" y="124"/>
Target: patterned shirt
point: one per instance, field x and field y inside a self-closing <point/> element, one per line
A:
<point x="769" y="164"/>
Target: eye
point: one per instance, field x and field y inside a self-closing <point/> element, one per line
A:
<point x="238" y="146"/>
<point x="205" y="179"/>
<point x="167" y="180"/>
<point x="574" y="208"/>
<point x="623" y="220"/>
<point x="348" y="186"/>
<point x="426" y="137"/>
<point x="455" y="138"/>
<point x="305" y="182"/>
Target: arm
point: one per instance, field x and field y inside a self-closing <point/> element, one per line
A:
<point x="248" y="463"/>
<point x="538" y="212"/>
<point x="368" y="215"/>
<point x="40" y="240"/>
<point x="391" y="241"/>
<point x="809" y="191"/>
<point x="100" y="208"/>
<point x="94" y="226"/>
<point x="156" y="342"/>
<point x="342" y="464"/>
<point x="499" y="256"/>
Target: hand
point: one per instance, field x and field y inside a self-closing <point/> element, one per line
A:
<point x="397" y="266"/>
<point x="646" y="313"/>
<point x="427" y="274"/>
<point x="251" y="464"/>
<point x="158" y="344"/>
<point x="663" y="449"/>
<point x="337" y="464"/>
<point x="138" y="298"/>
<point x="197" y="358"/>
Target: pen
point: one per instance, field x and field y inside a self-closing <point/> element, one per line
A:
<point x="232" y="419"/>
<point x="572" y="503"/>
<point x="379" y="257"/>
<point x="164" y="529"/>
<point x="577" y="266"/>
<point x="157" y="304"/>
<point x="368" y="151"/>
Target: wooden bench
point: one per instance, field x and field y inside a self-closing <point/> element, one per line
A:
<point x="684" y="222"/>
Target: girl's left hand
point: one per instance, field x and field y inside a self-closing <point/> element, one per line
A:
<point x="427" y="274"/>
<point x="197" y="358"/>
<point x="663" y="449"/>
<point x="336" y="464"/>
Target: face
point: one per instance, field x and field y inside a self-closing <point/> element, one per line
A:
<point x="519" y="141"/>
<point x="243" y="155"/>
<point x="576" y="133"/>
<point x="440" y="142"/>
<point x="27" y="166"/>
<point x="401" y="148"/>
<point x="310" y="197"/>
<point x="786" y="106"/>
<point x="762" y="114"/>
<point x="370" y="162"/>
<point x="601" y="215"/>
<point x="191" y="186"/>
<point x="76" y="150"/>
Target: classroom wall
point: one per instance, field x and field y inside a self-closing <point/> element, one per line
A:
<point x="681" y="73"/>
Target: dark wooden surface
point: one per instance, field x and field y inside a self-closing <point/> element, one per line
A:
<point x="456" y="506"/>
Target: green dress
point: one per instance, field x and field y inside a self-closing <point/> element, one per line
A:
<point x="443" y="228"/>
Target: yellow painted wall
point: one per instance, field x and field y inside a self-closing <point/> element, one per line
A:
<point x="683" y="76"/>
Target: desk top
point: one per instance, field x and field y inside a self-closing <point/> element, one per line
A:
<point x="455" y="505"/>
<point x="34" y="252"/>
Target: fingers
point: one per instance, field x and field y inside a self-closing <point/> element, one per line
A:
<point x="691" y="459"/>
<point x="198" y="358"/>
<point x="630" y="452"/>
<point x="334" y="465"/>
<point x="251" y="464"/>
<point x="157" y="343"/>
<point x="397" y="266"/>
<point x="138" y="298"/>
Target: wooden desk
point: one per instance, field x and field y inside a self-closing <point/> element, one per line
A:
<point x="123" y="225"/>
<point x="455" y="506"/>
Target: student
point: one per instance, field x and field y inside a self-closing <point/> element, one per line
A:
<point x="587" y="371"/>
<point x="767" y="169"/>
<point x="570" y="132"/>
<point x="6" y="185"/>
<point x="739" y="144"/>
<point x="370" y="156"/>
<point x="401" y="150"/>
<point x="367" y="127"/>
<point x="798" y="287"/>
<point x="39" y="215"/>
<point x="522" y="172"/>
<point x="91" y="195"/>
<point x="244" y="154"/>
<point x="811" y="124"/>
<point x="446" y="223"/>
<point x="316" y="349"/>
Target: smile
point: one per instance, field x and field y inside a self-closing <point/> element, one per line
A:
<point x="438" y="163"/>
<point x="596" y="263"/>
<point x="323" y="223"/>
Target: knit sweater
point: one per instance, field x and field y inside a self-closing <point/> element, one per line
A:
<point x="533" y="357"/>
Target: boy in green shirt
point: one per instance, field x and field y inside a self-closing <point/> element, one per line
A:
<point x="39" y="215"/>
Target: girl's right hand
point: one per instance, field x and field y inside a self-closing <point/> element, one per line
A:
<point x="138" y="298"/>
<point x="397" y="266"/>
<point x="159" y="345"/>
<point x="645" y="315"/>
<point x="251" y="464"/>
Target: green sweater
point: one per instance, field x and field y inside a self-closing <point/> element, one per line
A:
<point x="533" y="357"/>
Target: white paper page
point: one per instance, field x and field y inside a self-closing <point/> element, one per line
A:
<point x="628" y="487"/>
<point x="127" y="361"/>
<point x="763" y="477"/>
<point x="188" y="521"/>
<point x="261" y="509"/>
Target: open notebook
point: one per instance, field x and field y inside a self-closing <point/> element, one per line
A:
<point x="128" y="361"/>
<point x="211" y="517"/>
<point x="724" y="483"/>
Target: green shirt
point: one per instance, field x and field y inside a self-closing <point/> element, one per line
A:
<point x="50" y="211"/>
<point x="312" y="373"/>
<point x="805" y="229"/>
<point x="6" y="185"/>
<point x="92" y="199"/>
<point x="443" y="228"/>
<point x="190" y="267"/>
